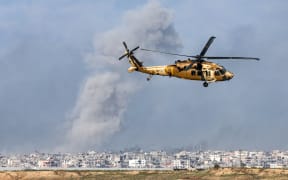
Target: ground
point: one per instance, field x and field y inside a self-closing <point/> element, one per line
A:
<point x="212" y="174"/>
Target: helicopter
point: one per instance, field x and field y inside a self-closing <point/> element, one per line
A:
<point x="194" y="68"/>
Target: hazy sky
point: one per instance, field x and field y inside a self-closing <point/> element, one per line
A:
<point x="60" y="78"/>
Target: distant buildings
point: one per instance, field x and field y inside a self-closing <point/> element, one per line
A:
<point x="137" y="163"/>
<point x="152" y="159"/>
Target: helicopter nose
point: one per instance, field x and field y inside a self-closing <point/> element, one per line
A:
<point x="229" y="75"/>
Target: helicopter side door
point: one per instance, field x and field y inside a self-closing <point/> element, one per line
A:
<point x="208" y="75"/>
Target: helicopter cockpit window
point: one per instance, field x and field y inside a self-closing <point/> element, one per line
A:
<point x="193" y="73"/>
<point x="217" y="73"/>
<point x="222" y="71"/>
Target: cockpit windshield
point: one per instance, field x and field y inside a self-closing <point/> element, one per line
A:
<point x="222" y="70"/>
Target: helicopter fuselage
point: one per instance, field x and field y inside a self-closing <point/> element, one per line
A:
<point x="209" y="71"/>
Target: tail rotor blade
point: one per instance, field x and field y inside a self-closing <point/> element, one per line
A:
<point x="128" y="52"/>
<point x="125" y="45"/>
<point x="122" y="56"/>
<point x="135" y="49"/>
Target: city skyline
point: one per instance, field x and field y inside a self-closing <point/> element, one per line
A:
<point x="145" y="160"/>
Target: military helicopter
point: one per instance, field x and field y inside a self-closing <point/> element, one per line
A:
<point x="197" y="68"/>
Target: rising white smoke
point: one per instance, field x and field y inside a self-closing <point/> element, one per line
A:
<point x="104" y="96"/>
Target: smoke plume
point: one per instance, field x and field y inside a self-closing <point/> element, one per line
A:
<point x="103" y="99"/>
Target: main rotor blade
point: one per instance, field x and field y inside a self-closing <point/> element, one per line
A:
<point x="200" y="57"/>
<point x="174" y="54"/>
<point x="188" y="67"/>
<point x="204" y="50"/>
<point x="230" y="58"/>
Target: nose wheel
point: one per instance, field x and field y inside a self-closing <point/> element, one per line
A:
<point x="205" y="84"/>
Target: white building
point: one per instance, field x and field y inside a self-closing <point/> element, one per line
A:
<point x="137" y="163"/>
<point x="276" y="166"/>
<point x="215" y="157"/>
<point x="181" y="164"/>
<point x="43" y="163"/>
<point x="14" y="162"/>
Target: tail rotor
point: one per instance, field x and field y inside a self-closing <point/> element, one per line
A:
<point x="128" y="53"/>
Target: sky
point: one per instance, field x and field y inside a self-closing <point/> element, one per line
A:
<point x="62" y="87"/>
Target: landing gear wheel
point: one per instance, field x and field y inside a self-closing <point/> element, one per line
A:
<point x="149" y="77"/>
<point x="205" y="84"/>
